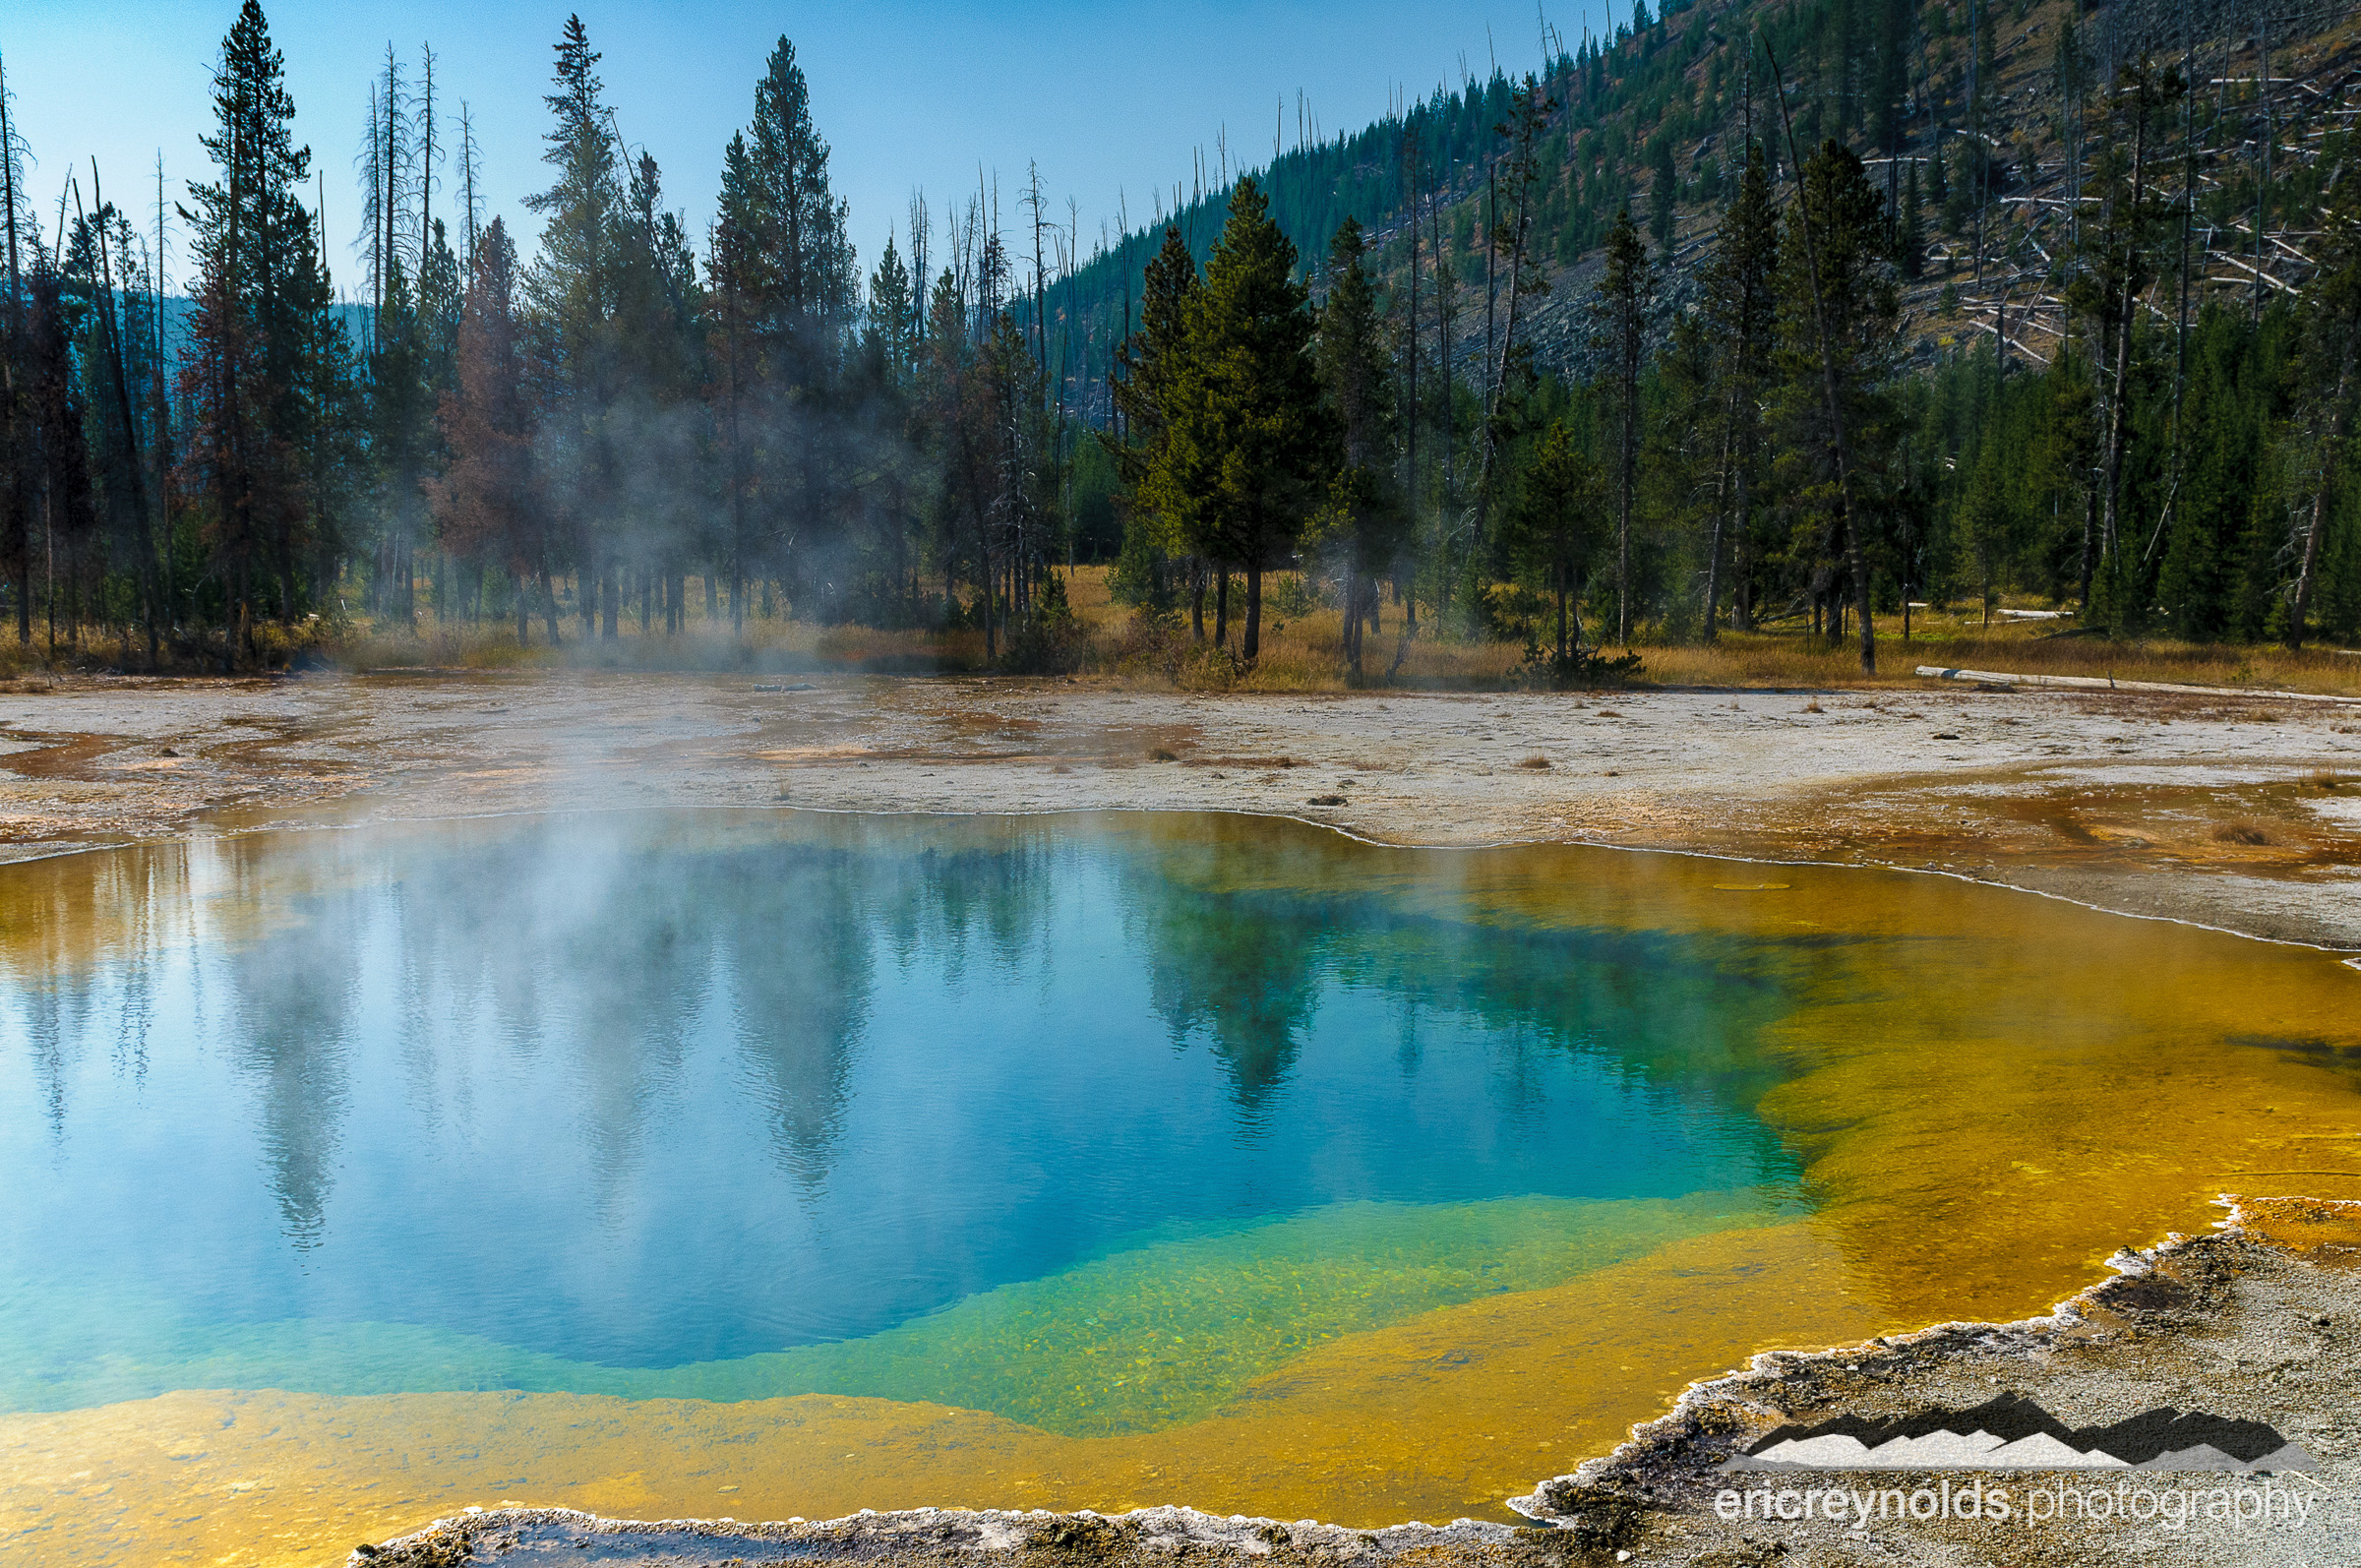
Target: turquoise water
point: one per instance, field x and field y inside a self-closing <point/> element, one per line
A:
<point x="737" y="1104"/>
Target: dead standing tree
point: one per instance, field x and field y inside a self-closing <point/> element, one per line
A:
<point x="1855" y="558"/>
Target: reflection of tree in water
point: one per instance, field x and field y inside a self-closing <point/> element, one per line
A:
<point x="1235" y="961"/>
<point x="293" y="992"/>
<point x="79" y="938"/>
<point x="945" y="903"/>
<point x="1235" y="919"/>
<point x="802" y="946"/>
<point x="629" y="968"/>
<point x="1677" y="1013"/>
<point x="798" y="944"/>
<point x="589" y="938"/>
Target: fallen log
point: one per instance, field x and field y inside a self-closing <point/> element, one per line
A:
<point x="2094" y="682"/>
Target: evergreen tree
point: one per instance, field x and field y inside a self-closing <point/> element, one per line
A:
<point x="249" y="374"/>
<point x="1147" y="379"/>
<point x="889" y="324"/>
<point x="400" y="424"/>
<point x="1840" y="316"/>
<point x="783" y="271"/>
<point x="1550" y="530"/>
<point x="1663" y="194"/>
<point x="486" y="501"/>
<point x="572" y="290"/>
<point x="18" y="487"/>
<point x="55" y="313"/>
<point x="663" y="505"/>
<point x="1910" y="243"/>
<point x="2222" y="470"/>
<point x="1249" y="447"/>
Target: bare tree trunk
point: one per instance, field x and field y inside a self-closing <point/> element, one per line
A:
<point x="1351" y="623"/>
<point x="1855" y="558"/>
<point x="2117" y="415"/>
<point x="19" y="512"/>
<point x="1443" y="291"/>
<point x="1409" y="344"/>
<point x="131" y="434"/>
<point x="1712" y="560"/>
<point x="2320" y="496"/>
<point x="1741" y="561"/>
<point x="1626" y="477"/>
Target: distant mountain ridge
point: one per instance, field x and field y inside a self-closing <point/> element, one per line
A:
<point x="1657" y="119"/>
<point x="2013" y="1432"/>
<point x="180" y="313"/>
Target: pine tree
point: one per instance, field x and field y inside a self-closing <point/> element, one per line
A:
<point x="1148" y="368"/>
<point x="1663" y="194"/>
<point x="1248" y="450"/>
<point x="1551" y="530"/>
<point x="400" y="424"/>
<point x="783" y="269"/>
<point x="2331" y="366"/>
<point x="889" y="325"/>
<point x="573" y="290"/>
<point x="60" y="422"/>
<point x="250" y="367"/>
<point x="1511" y="368"/>
<point x="658" y="339"/>
<point x="1842" y="320"/>
<point x="2222" y="446"/>
<point x="17" y="434"/>
<point x="485" y="501"/>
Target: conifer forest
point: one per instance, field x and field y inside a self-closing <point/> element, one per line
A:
<point x="1813" y="315"/>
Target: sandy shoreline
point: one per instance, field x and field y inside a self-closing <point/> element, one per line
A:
<point x="2235" y="814"/>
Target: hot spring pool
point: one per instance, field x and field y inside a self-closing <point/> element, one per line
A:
<point x="771" y="1163"/>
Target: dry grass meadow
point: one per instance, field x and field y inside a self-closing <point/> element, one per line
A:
<point x="1304" y="653"/>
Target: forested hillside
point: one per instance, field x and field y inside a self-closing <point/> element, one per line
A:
<point x="1756" y="314"/>
<point x="2065" y="364"/>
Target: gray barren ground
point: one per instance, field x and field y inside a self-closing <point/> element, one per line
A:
<point x="2242" y="813"/>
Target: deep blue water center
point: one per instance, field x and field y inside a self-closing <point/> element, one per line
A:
<point x="645" y="1089"/>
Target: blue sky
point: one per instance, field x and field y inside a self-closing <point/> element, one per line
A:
<point x="1106" y="97"/>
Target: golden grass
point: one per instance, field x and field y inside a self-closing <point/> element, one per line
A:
<point x="1798" y="659"/>
<point x="1301" y="654"/>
